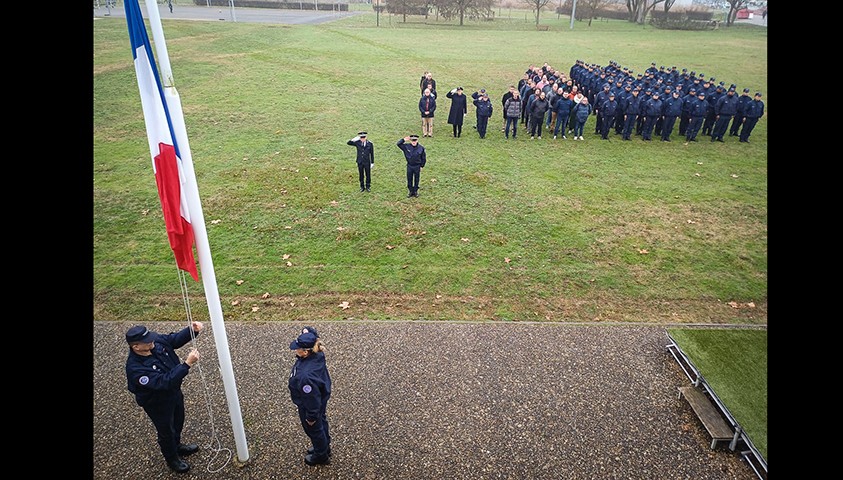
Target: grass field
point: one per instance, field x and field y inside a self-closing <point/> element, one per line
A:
<point x="597" y="231"/>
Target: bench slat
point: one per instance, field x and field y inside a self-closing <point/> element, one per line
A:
<point x="711" y="419"/>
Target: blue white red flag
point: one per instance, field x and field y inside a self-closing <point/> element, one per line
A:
<point x="166" y="158"/>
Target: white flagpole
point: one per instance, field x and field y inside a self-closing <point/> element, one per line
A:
<point x="197" y="220"/>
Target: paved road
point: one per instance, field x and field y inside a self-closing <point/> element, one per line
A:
<point x="247" y="15"/>
<point x="424" y="400"/>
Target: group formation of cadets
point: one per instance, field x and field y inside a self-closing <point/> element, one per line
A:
<point x="645" y="104"/>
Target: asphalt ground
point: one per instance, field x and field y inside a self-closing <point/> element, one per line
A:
<point x="423" y="400"/>
<point x="239" y="14"/>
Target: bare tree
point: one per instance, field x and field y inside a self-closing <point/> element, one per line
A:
<point x="460" y="8"/>
<point x="590" y="7"/>
<point x="537" y="4"/>
<point x="734" y="6"/>
<point x="638" y="9"/>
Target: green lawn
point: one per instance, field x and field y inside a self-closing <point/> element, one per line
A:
<point x="734" y="363"/>
<point x="544" y="230"/>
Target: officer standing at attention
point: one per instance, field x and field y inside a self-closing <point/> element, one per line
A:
<point x="416" y="159"/>
<point x="310" y="390"/>
<point x="154" y="374"/>
<point x="365" y="159"/>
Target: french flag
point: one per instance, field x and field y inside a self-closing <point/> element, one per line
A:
<point x="166" y="158"/>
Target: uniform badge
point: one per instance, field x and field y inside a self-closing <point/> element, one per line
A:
<point x="143" y="380"/>
<point x="306" y="388"/>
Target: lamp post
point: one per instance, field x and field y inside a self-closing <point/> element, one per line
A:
<point x="378" y="15"/>
<point x="573" y="14"/>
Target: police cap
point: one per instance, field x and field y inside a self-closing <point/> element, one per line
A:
<point x="139" y="334"/>
<point x="305" y="340"/>
<point x="414" y="137"/>
<point x="361" y="134"/>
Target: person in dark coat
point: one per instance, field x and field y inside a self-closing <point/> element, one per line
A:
<point x="416" y="158"/>
<point x="506" y="96"/>
<point x="563" y="108"/>
<point x="599" y="99"/>
<point x="538" y="108"/>
<point x="512" y="110"/>
<point x="310" y="390"/>
<point x="652" y="112"/>
<point x="581" y="113"/>
<point x="365" y="159"/>
<point x="427" y="107"/>
<point x="672" y="110"/>
<point x="685" y="117"/>
<point x="754" y="111"/>
<point x="608" y="110"/>
<point x="737" y="120"/>
<point x="484" y="113"/>
<point x="458" y="111"/>
<point x="632" y="108"/>
<point x="699" y="108"/>
<point x="154" y="374"/>
<point x="724" y="110"/>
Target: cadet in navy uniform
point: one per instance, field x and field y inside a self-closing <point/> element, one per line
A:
<point x="365" y="159"/>
<point x="154" y="374"/>
<point x="753" y="111"/>
<point x="416" y="159"/>
<point x="310" y="390"/>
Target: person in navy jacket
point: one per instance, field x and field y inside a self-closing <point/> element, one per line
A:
<point x="672" y="110"/>
<point x="154" y="374"/>
<point x="754" y="110"/>
<point x="608" y="110"/>
<point x="365" y="159"/>
<point x="725" y="108"/>
<point x="310" y="390"/>
<point x="416" y="160"/>
<point x="699" y="108"/>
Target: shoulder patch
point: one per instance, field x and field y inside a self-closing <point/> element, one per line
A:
<point x="307" y="389"/>
<point x="143" y="380"/>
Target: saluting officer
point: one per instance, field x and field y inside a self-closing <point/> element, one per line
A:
<point x="310" y="390"/>
<point x="365" y="159"/>
<point x="416" y="159"/>
<point x="154" y="374"/>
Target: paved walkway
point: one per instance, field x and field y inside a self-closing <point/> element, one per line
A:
<point x="239" y="14"/>
<point x="419" y="400"/>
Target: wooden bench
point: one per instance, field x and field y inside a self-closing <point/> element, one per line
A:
<point x="542" y="28"/>
<point x="710" y="417"/>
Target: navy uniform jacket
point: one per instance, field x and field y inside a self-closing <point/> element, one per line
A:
<point x="365" y="153"/>
<point x="609" y="108"/>
<point x="159" y="376"/>
<point x="310" y="384"/>
<point x="414" y="155"/>
<point x="754" y="109"/>
<point x="726" y="105"/>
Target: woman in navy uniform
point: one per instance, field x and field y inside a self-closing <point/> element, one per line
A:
<point x="365" y="159"/>
<point x="310" y="390"/>
<point x="154" y="374"/>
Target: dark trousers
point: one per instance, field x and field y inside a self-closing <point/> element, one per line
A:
<point x="457" y="129"/>
<point x="649" y="124"/>
<point x="605" y="128"/>
<point x="667" y="126"/>
<point x="748" y="125"/>
<point x="629" y="125"/>
<point x="536" y="126"/>
<point x="708" y="124"/>
<point x="482" y="124"/>
<point x="319" y="434"/>
<point x="364" y="170"/>
<point x="735" y="129"/>
<point x="413" y="175"/>
<point x="513" y="122"/>
<point x="561" y="124"/>
<point x="694" y="128"/>
<point x="720" y="127"/>
<point x="618" y="123"/>
<point x="168" y="418"/>
<point x="598" y="124"/>
<point x="684" y="120"/>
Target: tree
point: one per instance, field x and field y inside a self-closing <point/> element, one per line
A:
<point x="734" y="6"/>
<point x="537" y="4"/>
<point x="590" y="7"/>
<point x="459" y="8"/>
<point x="638" y="9"/>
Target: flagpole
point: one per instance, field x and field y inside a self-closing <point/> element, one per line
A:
<point x="197" y="220"/>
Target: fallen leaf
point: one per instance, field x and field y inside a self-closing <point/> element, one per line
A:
<point x="751" y="304"/>
<point x="255" y="309"/>
<point x="287" y="227"/>
<point x="732" y="304"/>
<point x="265" y="295"/>
<point x="144" y="211"/>
<point x="432" y="180"/>
<point x="305" y="178"/>
<point x="285" y="256"/>
<point x="699" y="163"/>
<point x="292" y="304"/>
<point x="464" y="239"/>
<point x="643" y="251"/>
<point x="697" y="175"/>
<point x="289" y="264"/>
<point x="389" y="247"/>
<point x="240" y="282"/>
<point x="278" y="153"/>
<point x="334" y="203"/>
<point x="438" y="296"/>
<point x="734" y="176"/>
<point x="340" y="228"/>
<point x="214" y="222"/>
<point x="313" y="158"/>
<point x="344" y="305"/>
<point x="235" y="303"/>
<point x="507" y="259"/>
<point x="691" y="221"/>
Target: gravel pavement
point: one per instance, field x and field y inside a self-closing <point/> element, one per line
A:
<point x="424" y="400"/>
